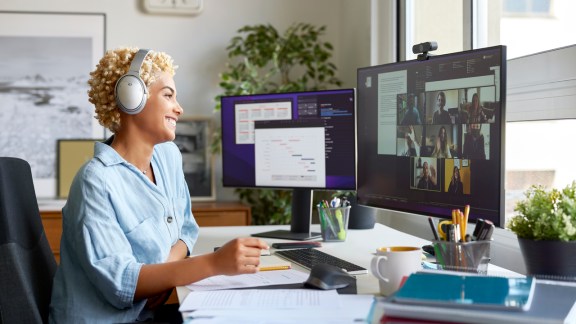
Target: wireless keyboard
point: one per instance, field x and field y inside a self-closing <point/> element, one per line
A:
<point x="308" y="258"/>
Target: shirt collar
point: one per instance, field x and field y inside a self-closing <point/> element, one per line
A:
<point x="106" y="154"/>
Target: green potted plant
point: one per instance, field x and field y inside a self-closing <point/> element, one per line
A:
<point x="262" y="60"/>
<point x="545" y="225"/>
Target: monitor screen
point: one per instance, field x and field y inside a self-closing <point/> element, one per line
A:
<point x="298" y="140"/>
<point x="431" y="134"/>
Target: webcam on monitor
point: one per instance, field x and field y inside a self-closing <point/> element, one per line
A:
<point x="422" y="50"/>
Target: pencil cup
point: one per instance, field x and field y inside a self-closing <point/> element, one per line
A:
<point x="465" y="257"/>
<point x="334" y="223"/>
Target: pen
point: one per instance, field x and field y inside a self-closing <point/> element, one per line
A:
<point x="433" y="227"/>
<point x="335" y="202"/>
<point x="286" y="267"/>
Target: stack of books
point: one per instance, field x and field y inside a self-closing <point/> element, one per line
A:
<point x="433" y="297"/>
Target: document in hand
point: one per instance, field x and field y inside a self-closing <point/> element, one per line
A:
<point x="467" y="291"/>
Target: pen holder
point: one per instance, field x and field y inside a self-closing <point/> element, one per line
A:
<point x="334" y="223"/>
<point x="471" y="256"/>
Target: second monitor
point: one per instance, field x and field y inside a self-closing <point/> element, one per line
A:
<point x="299" y="140"/>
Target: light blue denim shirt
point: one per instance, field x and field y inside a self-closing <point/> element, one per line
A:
<point x="116" y="220"/>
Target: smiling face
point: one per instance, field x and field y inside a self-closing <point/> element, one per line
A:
<point x="157" y="121"/>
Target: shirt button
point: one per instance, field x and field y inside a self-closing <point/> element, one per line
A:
<point x="169" y="219"/>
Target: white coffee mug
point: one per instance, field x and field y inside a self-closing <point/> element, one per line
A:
<point x="391" y="264"/>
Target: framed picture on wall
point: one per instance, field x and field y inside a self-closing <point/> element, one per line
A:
<point x="46" y="60"/>
<point x="72" y="154"/>
<point x="193" y="139"/>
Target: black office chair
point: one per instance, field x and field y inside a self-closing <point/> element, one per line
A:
<point x="27" y="265"/>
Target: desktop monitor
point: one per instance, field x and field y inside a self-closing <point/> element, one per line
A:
<point x="431" y="134"/>
<point x="300" y="141"/>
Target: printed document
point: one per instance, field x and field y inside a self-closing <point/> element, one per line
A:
<point x="262" y="278"/>
<point x="260" y="299"/>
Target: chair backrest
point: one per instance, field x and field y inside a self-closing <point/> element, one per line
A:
<point x="27" y="265"/>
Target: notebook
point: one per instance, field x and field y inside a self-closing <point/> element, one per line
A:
<point x="468" y="291"/>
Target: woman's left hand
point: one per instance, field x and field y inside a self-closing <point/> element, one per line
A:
<point x="158" y="300"/>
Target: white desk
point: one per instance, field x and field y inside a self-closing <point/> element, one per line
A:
<point x="358" y="248"/>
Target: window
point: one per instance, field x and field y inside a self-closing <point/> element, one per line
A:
<point x="526" y="7"/>
<point x="538" y="153"/>
<point x="528" y="26"/>
<point x="439" y="21"/>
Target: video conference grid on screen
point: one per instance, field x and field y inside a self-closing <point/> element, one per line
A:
<point x="290" y="140"/>
<point x="430" y="134"/>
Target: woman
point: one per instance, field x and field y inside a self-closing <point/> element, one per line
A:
<point x="441" y="116"/>
<point x="127" y="224"/>
<point x="441" y="149"/>
<point x="455" y="186"/>
<point x="476" y="114"/>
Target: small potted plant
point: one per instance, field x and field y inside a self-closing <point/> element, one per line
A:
<point x="545" y="225"/>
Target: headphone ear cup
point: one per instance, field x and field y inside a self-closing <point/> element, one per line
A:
<point x="131" y="94"/>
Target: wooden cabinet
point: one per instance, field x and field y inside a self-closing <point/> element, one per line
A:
<point x="206" y="214"/>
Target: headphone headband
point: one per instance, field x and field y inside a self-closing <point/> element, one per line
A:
<point x="138" y="60"/>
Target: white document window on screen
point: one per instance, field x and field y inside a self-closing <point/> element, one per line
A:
<point x="290" y="157"/>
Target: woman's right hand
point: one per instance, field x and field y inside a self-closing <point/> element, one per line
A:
<point x="239" y="256"/>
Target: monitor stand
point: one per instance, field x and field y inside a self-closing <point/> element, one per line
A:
<point x="301" y="219"/>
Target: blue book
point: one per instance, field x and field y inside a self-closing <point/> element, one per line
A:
<point x="469" y="291"/>
<point x="554" y="302"/>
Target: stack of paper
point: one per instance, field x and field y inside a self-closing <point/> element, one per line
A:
<point x="215" y="300"/>
<point x="276" y="306"/>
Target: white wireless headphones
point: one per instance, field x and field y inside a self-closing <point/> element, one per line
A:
<point x="130" y="91"/>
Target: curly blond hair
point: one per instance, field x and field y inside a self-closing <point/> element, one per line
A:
<point x="111" y="67"/>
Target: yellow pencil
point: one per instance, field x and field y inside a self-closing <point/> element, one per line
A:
<point x="462" y="225"/>
<point x="286" y="267"/>
<point x="466" y="213"/>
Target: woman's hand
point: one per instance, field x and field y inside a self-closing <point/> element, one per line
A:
<point x="432" y="176"/>
<point x="239" y="256"/>
<point x="178" y="251"/>
<point x="158" y="300"/>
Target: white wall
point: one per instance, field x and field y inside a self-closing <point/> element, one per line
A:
<point x="198" y="43"/>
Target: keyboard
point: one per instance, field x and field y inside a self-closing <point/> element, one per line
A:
<point x="308" y="258"/>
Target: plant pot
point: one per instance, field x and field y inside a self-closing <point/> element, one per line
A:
<point x="549" y="259"/>
<point x="361" y="217"/>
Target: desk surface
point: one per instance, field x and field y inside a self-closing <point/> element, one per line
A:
<point x="359" y="247"/>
